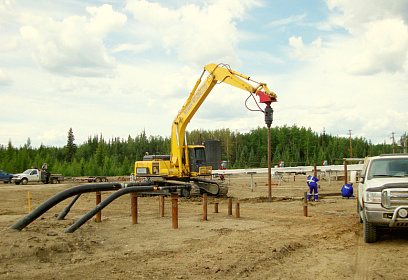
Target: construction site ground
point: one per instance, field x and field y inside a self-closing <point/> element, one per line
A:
<point x="270" y="240"/>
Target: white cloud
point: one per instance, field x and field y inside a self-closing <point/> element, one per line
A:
<point x="132" y="47"/>
<point x="384" y="48"/>
<point x="379" y="34"/>
<point x="286" y="21"/>
<point x="75" y="45"/>
<point x="6" y="11"/>
<point x="152" y="13"/>
<point x="302" y="52"/>
<point x="52" y="136"/>
<point x="4" y="79"/>
<point x="196" y="34"/>
<point x="8" y="43"/>
<point x="103" y="20"/>
<point x="355" y="14"/>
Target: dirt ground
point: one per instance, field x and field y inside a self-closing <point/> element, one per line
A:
<point x="271" y="240"/>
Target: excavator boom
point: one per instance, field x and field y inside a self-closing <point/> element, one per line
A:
<point x="217" y="74"/>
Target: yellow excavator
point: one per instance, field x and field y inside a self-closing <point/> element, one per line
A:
<point x="187" y="163"/>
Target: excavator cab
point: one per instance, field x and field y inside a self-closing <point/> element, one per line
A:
<point x="197" y="160"/>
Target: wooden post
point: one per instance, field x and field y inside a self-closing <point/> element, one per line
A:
<point x="174" y="210"/>
<point x="133" y="197"/>
<point x="215" y="207"/>
<point x="98" y="217"/>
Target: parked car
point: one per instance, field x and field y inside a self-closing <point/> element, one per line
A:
<point x="5" y="177"/>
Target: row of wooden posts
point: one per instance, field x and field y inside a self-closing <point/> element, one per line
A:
<point x="174" y="208"/>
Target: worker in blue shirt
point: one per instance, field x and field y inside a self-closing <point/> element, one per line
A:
<point x="312" y="183"/>
<point x="347" y="191"/>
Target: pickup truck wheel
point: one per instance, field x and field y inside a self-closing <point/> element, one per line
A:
<point x="24" y="181"/>
<point x="370" y="231"/>
<point x="359" y="209"/>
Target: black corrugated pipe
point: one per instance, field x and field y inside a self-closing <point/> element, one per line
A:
<point x="66" y="210"/>
<point x="45" y="206"/>
<point x="112" y="197"/>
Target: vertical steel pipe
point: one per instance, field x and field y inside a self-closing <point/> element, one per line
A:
<point x="305" y="204"/>
<point x="216" y="207"/>
<point x="229" y="206"/>
<point x="133" y="197"/>
<point x="174" y="210"/>
<point x="98" y="217"/>
<point x="161" y="206"/>
<point x="269" y="165"/>
<point x="268" y="121"/>
<point x="204" y="207"/>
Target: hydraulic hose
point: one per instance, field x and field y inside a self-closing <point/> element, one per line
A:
<point x="112" y="197"/>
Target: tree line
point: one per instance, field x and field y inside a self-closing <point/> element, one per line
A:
<point x="116" y="156"/>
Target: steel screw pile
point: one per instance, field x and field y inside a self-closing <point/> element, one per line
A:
<point x="174" y="210"/>
<point x="98" y="217"/>
<point x="134" y="208"/>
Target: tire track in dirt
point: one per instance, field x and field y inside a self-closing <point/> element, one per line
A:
<point x="362" y="260"/>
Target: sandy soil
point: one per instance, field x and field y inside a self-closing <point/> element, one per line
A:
<point x="271" y="240"/>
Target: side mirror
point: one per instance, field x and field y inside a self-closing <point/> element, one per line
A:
<point x="361" y="181"/>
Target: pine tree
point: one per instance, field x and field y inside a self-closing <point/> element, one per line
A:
<point x="70" y="148"/>
<point x="100" y="153"/>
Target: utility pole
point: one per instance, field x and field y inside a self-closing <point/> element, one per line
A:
<point x="392" y="137"/>
<point x="228" y="159"/>
<point x="351" y="146"/>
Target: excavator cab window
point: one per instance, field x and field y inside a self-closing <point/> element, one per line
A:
<point x="196" y="158"/>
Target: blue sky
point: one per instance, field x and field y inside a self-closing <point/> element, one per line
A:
<point x="119" y="69"/>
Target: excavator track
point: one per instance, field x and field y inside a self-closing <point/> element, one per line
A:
<point x="223" y="189"/>
<point x="216" y="188"/>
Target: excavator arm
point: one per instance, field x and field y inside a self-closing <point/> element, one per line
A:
<point x="217" y="74"/>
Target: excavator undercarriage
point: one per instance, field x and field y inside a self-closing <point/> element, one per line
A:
<point x="198" y="187"/>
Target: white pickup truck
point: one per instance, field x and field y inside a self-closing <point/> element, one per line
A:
<point x="36" y="175"/>
<point x="383" y="194"/>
